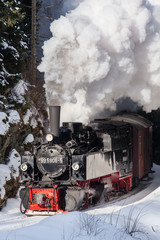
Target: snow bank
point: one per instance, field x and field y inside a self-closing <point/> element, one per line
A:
<point x="5" y="175"/>
<point x="9" y="170"/>
<point x="6" y="119"/>
<point x="13" y="116"/>
<point x="19" y="91"/>
<point x="67" y="226"/>
<point x="4" y="124"/>
<point x="29" y="139"/>
<point x="14" y="163"/>
<point x="30" y="117"/>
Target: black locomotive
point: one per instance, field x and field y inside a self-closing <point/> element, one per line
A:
<point x="78" y="165"/>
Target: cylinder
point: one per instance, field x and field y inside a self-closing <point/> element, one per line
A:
<point x="54" y="114"/>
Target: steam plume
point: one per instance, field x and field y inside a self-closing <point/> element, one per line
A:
<point x="100" y="52"/>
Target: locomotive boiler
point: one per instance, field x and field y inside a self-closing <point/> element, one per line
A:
<point x="77" y="165"/>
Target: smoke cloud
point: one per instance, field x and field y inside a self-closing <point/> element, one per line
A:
<point x="100" y="52"/>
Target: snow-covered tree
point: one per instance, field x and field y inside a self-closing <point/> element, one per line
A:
<point x="19" y="112"/>
<point x="13" y="42"/>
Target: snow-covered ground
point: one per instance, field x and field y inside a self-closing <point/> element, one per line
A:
<point x="135" y="217"/>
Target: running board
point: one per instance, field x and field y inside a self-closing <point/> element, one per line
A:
<point x="43" y="213"/>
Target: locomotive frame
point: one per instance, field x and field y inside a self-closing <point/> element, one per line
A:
<point x="78" y="165"/>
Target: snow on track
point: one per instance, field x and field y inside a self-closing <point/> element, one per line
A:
<point x="11" y="218"/>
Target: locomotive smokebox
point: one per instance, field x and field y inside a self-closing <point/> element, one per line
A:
<point x="54" y="113"/>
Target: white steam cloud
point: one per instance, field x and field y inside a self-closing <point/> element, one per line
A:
<point x="100" y="52"/>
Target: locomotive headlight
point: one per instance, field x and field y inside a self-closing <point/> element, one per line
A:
<point x="75" y="166"/>
<point x="24" y="167"/>
<point x="49" y="137"/>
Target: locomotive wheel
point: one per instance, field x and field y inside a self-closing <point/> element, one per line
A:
<point x="74" y="199"/>
<point x="99" y="190"/>
<point x="71" y="203"/>
<point x="24" y="195"/>
<point x="135" y="182"/>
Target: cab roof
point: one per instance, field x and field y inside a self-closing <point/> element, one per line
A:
<point x="126" y="118"/>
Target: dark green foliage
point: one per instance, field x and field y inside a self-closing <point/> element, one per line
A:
<point x="15" y="25"/>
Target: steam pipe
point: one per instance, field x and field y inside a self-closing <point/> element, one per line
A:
<point x="54" y="113"/>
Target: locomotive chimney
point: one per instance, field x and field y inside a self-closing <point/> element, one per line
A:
<point x="54" y="113"/>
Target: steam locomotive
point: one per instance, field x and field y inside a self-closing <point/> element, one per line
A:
<point x="78" y="165"/>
